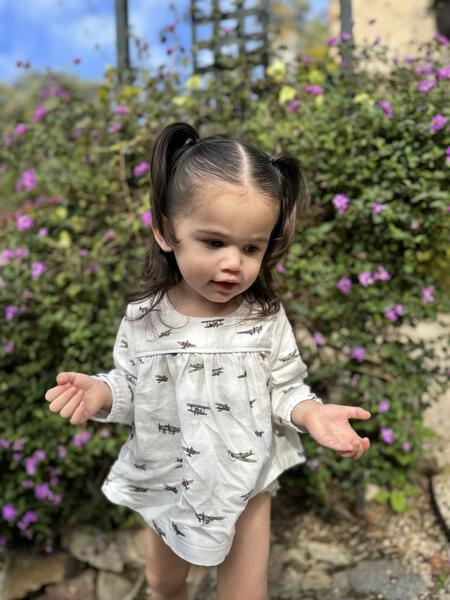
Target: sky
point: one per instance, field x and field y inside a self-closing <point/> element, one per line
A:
<point x="78" y="36"/>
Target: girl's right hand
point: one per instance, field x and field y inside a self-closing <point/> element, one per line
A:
<point x="78" y="397"/>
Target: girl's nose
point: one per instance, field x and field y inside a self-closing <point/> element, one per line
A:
<point x="232" y="259"/>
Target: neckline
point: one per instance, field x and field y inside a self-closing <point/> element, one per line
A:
<point x="238" y="311"/>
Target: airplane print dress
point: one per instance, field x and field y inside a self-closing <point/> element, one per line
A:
<point x="209" y="402"/>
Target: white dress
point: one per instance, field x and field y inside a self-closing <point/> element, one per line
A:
<point x="209" y="402"/>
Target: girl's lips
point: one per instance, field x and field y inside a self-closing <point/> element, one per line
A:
<point x="224" y="286"/>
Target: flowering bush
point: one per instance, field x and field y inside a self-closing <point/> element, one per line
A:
<point x="367" y="261"/>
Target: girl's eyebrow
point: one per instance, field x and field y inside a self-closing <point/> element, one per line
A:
<point x="221" y="234"/>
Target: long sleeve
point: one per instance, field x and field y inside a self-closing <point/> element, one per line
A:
<point x="288" y="373"/>
<point x="122" y="379"/>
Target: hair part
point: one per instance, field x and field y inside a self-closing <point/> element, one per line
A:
<point x="180" y="164"/>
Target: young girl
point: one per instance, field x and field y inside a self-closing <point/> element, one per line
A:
<point x="207" y="370"/>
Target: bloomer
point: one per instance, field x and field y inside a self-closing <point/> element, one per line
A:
<point x="272" y="488"/>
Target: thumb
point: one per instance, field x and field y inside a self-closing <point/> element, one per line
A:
<point x="356" y="412"/>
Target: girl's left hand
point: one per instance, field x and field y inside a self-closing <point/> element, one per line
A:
<point x="328" y="424"/>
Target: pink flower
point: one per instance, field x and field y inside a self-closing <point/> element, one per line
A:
<point x="390" y="314"/>
<point x="115" y="127"/>
<point x="9" y="347"/>
<point x="387" y="435"/>
<point x="121" y="109"/>
<point x="438" y="122"/>
<point x="382" y="274"/>
<point x="24" y="222"/>
<point x="110" y="234"/>
<point x="20" y="129"/>
<point x="444" y="73"/>
<point x="103" y="432"/>
<point x="378" y="208"/>
<point x="332" y="41"/>
<point x="340" y="201"/>
<point x="441" y="39"/>
<point x="357" y="353"/>
<point x="9" y="512"/>
<point x="406" y="446"/>
<point x="140" y="169"/>
<point x="366" y="278"/>
<point x="83" y="252"/>
<point x="37" y="268"/>
<point x="319" y="339"/>
<point x="386" y="107"/>
<point x="280" y="268"/>
<point x="38" y="114"/>
<point x="346" y="36"/>
<point x="27" y="181"/>
<point x="427" y="294"/>
<point x="425" y="85"/>
<point x="62" y="452"/>
<point x="344" y="285"/>
<point x="10" y="312"/>
<point x="30" y="465"/>
<point x="447" y="154"/>
<point x="312" y="464"/>
<point x="316" y="90"/>
<point x="354" y="380"/>
<point x="414" y="225"/>
<point x="81" y="439"/>
<point x="146" y="218"/>
<point x="383" y="406"/>
<point x="293" y="105"/>
<point x="42" y="491"/>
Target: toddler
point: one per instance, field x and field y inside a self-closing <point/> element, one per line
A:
<point x="207" y="371"/>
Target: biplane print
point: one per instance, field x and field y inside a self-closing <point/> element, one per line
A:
<point x="242" y="456"/>
<point x="161" y="378"/>
<point x="194" y="367"/>
<point x="158" y="529"/>
<point x="213" y="323"/>
<point x="223" y="406"/>
<point x="165" y="333"/>
<point x="177" y="530"/>
<point x="252" y="331"/>
<point x="217" y="371"/>
<point x="168" y="429"/>
<point x="190" y="451"/>
<point x="198" y="409"/>
<point x="206" y="519"/>
<point x="170" y="488"/>
<point x="186" y="344"/>
<point x="291" y="356"/>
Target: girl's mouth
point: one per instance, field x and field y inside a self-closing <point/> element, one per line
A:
<point x="224" y="286"/>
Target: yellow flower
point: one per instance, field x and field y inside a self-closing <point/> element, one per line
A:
<point x="287" y="93"/>
<point x="193" y="83"/>
<point x="180" y="100"/>
<point x="318" y="100"/>
<point x="316" y="77"/>
<point x="61" y="212"/>
<point x="64" y="240"/>
<point x="365" y="99"/>
<point x="277" y="71"/>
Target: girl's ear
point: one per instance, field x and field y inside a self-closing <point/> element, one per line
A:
<point x="161" y="241"/>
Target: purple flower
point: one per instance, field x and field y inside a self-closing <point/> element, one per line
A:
<point x="280" y="268"/>
<point x="406" y="446"/>
<point x="346" y="36"/>
<point x="344" y="285"/>
<point x="24" y="222"/>
<point x="40" y="455"/>
<point x="387" y="435"/>
<point x="37" y="268"/>
<point x="29" y="517"/>
<point x="146" y="218"/>
<point x="38" y="114"/>
<point x="115" y="127"/>
<point x="9" y="347"/>
<point x="104" y="432"/>
<point x="444" y="73"/>
<point x="447" y="153"/>
<point x="441" y="39"/>
<point x="42" y="491"/>
<point x="30" y="465"/>
<point x="316" y="90"/>
<point x="293" y="105"/>
<point x="83" y="252"/>
<point x="383" y="406"/>
<point x="319" y="339"/>
<point x="390" y="313"/>
<point x="56" y="499"/>
<point x="4" y="443"/>
<point x="140" y="169"/>
<point x="312" y="464"/>
<point x="81" y="439"/>
<point x="427" y="294"/>
<point x="110" y="234"/>
<point x="19" y="444"/>
<point x="357" y="353"/>
<point x="425" y="85"/>
<point x="27" y="180"/>
<point x="94" y="267"/>
<point x="437" y="123"/>
<point x="20" y="129"/>
<point x="62" y="452"/>
<point x="26" y="484"/>
<point x="9" y="512"/>
<point x="414" y="225"/>
<point x="378" y="208"/>
<point x="398" y="308"/>
<point x="386" y="107"/>
<point x="10" y="312"/>
<point x="341" y="201"/>
<point x="382" y="274"/>
<point x="332" y="41"/>
<point x="17" y="456"/>
<point x="354" y="380"/>
<point x="365" y="278"/>
<point x="3" y="541"/>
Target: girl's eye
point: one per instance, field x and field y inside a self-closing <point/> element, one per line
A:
<point x="251" y="249"/>
<point x="214" y="243"/>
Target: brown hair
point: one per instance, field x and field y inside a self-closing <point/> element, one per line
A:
<point x="180" y="162"/>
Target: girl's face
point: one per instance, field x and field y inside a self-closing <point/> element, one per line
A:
<point x="222" y="242"/>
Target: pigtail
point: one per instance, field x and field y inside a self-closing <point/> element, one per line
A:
<point x="294" y="199"/>
<point x="166" y="149"/>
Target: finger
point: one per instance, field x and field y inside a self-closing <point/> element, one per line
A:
<point x="53" y="393"/>
<point x="356" y="412"/>
<point x="60" y="401"/>
<point x="67" y="411"/>
<point x="65" y="377"/>
<point x="79" y="415"/>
